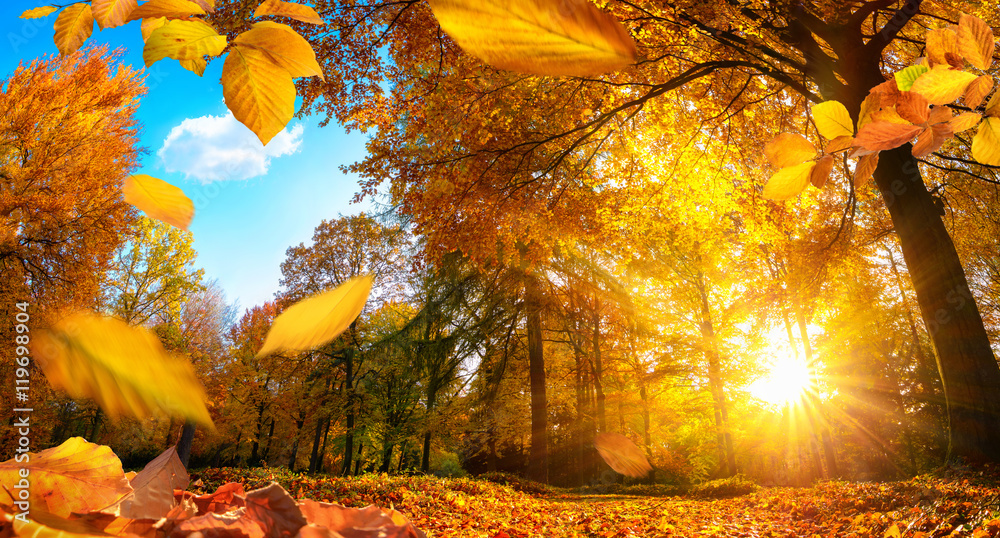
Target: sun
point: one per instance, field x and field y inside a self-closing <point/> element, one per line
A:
<point x="788" y="380"/>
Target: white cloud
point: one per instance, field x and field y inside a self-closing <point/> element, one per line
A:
<point x="218" y="148"/>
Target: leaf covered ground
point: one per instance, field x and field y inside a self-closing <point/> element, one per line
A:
<point x="966" y="504"/>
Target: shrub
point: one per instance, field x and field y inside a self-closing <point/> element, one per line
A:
<point x="733" y="486"/>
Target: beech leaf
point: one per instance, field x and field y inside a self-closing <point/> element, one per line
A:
<point x="150" y="24"/>
<point x="171" y="9"/>
<point x="569" y="37"/>
<point x="124" y="369"/>
<point x="39" y="12"/>
<point x="942" y="84"/>
<point x="906" y="77"/>
<point x="865" y="168"/>
<point x="75" y="476"/>
<point x="73" y="26"/>
<point x="788" y="149"/>
<point x="621" y="454"/>
<point x="153" y="488"/>
<point x="881" y="135"/>
<point x="285" y="46"/>
<point x="832" y="119"/>
<point x="299" y="12"/>
<point x="319" y="319"/>
<point x="112" y="13"/>
<point x="839" y="144"/>
<point x="258" y="90"/>
<point x="986" y="143"/>
<point x="964" y="121"/>
<point x="976" y="41"/>
<point x="913" y="107"/>
<point x="159" y="200"/>
<point x="275" y="511"/>
<point x="182" y="40"/>
<point x="940" y="42"/>
<point x="821" y="172"/>
<point x="931" y="139"/>
<point x="977" y="91"/>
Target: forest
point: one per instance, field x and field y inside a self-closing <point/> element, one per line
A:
<point x="629" y="268"/>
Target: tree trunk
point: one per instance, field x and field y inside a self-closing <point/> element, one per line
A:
<point x="538" y="457"/>
<point x="602" y="424"/>
<point x="184" y="445"/>
<point x="295" y="442"/>
<point x="968" y="368"/>
<point x="348" y="412"/>
<point x="360" y="459"/>
<point x="386" y="456"/>
<point x="425" y="460"/>
<point x="724" y="437"/>
<point x="315" y="455"/>
<point x="270" y="437"/>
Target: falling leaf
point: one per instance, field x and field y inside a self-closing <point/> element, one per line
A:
<point x="789" y="181"/>
<point x="881" y="135"/>
<point x="788" y="149"/>
<point x="621" y="454"/>
<point x="39" y="12"/>
<point x="906" y="77"/>
<point x="73" y="26"/>
<point x="291" y="10"/>
<point x="183" y="40"/>
<point x="319" y="319"/>
<point x="913" y="107"/>
<point x="75" y="476"/>
<point x="821" y="172"/>
<point x="865" y="168"/>
<point x="942" y="84"/>
<point x="285" y="46"/>
<point x="832" y="119"/>
<point x="124" y="369"/>
<point x="153" y="488"/>
<point x="940" y="42"/>
<point x="171" y="9"/>
<point x="976" y="41"/>
<point x="259" y="91"/>
<point x="986" y="143"/>
<point x="964" y="121"/>
<point x="977" y="91"/>
<point x="159" y="200"/>
<point x="569" y="37"/>
<point x="112" y="13"/>
<point x="275" y="511"/>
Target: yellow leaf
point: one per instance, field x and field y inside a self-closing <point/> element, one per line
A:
<point x="975" y="41"/>
<point x="569" y="37"/>
<point x="124" y="369"/>
<point x="993" y="107"/>
<point x="44" y="525"/>
<point x="821" y="172"/>
<point x="75" y="476"/>
<point x="159" y="200"/>
<point x="789" y="181"/>
<point x="787" y="149"/>
<point x="195" y="65"/>
<point x="964" y="121"/>
<point x="986" y="143"/>
<point x="171" y="9"/>
<point x="150" y="24"/>
<point x="112" y="13"/>
<point x="865" y="168"/>
<point x="940" y="42"/>
<point x="291" y="10"/>
<point x="319" y="319"/>
<point x="258" y="91"/>
<point x="73" y="26"/>
<point x="978" y="90"/>
<point x="621" y="454"/>
<point x="869" y="106"/>
<point x="906" y="77"/>
<point x="39" y="12"/>
<point x="832" y="119"/>
<point x="880" y="135"/>
<point x="839" y="144"/>
<point x="942" y="85"/>
<point x="182" y="40"/>
<point x="892" y="532"/>
<point x="285" y="46"/>
<point x="207" y="5"/>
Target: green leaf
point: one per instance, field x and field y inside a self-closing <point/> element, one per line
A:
<point x="906" y="77"/>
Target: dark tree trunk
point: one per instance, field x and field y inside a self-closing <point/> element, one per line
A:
<point x="539" y="455"/>
<point x="348" y="411"/>
<point x="295" y="442"/>
<point x="360" y="459"/>
<point x="184" y="445"/>
<point x="315" y="456"/>
<point x="386" y="457"/>
<point x="270" y="437"/>
<point x="602" y="424"/>
<point x="258" y="430"/>
<point x="425" y="460"/>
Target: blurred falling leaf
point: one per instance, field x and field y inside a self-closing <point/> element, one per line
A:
<point x="75" y="476"/>
<point x="569" y="37"/>
<point x="159" y="199"/>
<point x="124" y="369"/>
<point x="319" y="319"/>
<point x="621" y="454"/>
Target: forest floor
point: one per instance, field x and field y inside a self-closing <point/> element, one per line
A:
<point x="965" y="504"/>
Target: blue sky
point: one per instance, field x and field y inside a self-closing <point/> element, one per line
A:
<point x="251" y="203"/>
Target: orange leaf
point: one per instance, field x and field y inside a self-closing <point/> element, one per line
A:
<point x="976" y="41"/>
<point x="978" y="90"/>
<point x="931" y="139"/>
<point x="73" y="26"/>
<point x="275" y="511"/>
<point x="112" y="13"/>
<point x="621" y="454"/>
<point x="881" y="135"/>
<point x="153" y="494"/>
<point x="291" y="10"/>
<point x="838" y="144"/>
<point x="159" y="200"/>
<point x="171" y="9"/>
<point x="913" y="107"/>
<point x="821" y="172"/>
<point x="865" y="168"/>
<point x="789" y="149"/>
